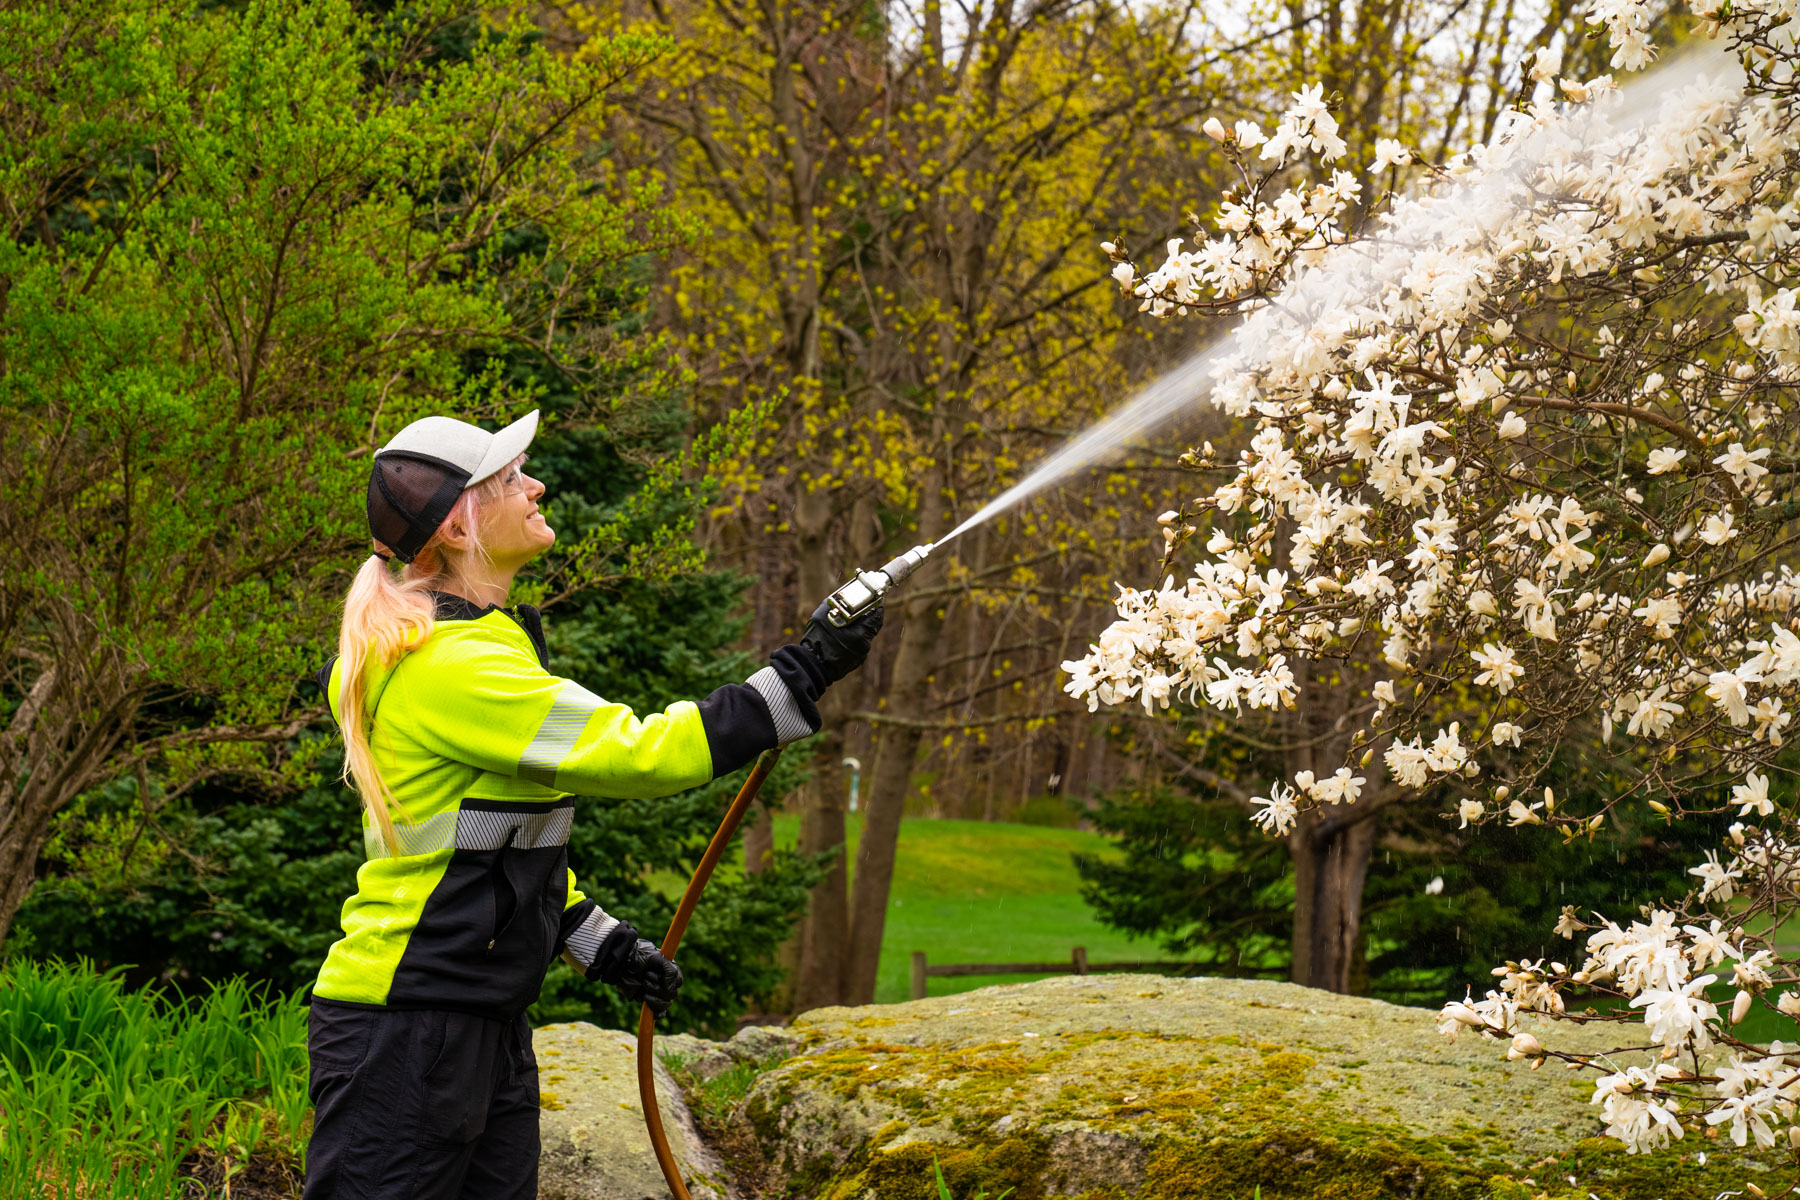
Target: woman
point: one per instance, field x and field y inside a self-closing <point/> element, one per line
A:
<point x="468" y="754"/>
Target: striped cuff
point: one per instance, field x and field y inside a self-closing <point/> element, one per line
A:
<point x="790" y="723"/>
<point x="775" y="706"/>
<point x="584" y="940"/>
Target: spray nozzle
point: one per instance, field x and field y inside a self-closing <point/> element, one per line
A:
<point x="865" y="589"/>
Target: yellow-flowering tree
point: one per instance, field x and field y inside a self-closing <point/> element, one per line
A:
<point x="902" y="213"/>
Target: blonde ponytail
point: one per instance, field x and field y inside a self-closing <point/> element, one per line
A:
<point x="386" y="614"/>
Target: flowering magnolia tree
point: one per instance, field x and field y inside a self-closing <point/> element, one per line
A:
<point x="1524" y="443"/>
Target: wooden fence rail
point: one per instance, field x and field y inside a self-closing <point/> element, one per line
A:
<point x="1077" y="964"/>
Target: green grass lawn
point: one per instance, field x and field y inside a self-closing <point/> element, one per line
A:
<point x="979" y="891"/>
<point x="975" y="891"/>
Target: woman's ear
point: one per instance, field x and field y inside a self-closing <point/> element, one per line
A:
<point x="452" y="535"/>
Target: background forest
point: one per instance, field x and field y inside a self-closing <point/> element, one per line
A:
<point x="796" y="286"/>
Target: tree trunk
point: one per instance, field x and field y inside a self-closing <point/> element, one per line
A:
<point x="886" y="802"/>
<point x="50" y="751"/>
<point x="18" y="868"/>
<point x="1329" y="847"/>
<point x="907" y="696"/>
<point x="1331" y="861"/>
<point x="759" y="841"/>
<point x="819" y="981"/>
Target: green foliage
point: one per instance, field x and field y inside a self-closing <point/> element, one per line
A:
<point x="1198" y="876"/>
<point x="230" y="885"/>
<point x="240" y="246"/>
<point x="277" y="236"/>
<point x="104" y="1091"/>
<point x="1503" y="891"/>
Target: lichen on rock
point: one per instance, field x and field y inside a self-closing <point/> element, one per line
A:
<point x="1132" y="1087"/>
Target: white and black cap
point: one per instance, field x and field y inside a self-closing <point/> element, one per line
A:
<point x="419" y="474"/>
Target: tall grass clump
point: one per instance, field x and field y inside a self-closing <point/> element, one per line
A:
<point x="105" y="1091"/>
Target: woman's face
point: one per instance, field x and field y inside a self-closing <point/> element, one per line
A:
<point x="512" y="529"/>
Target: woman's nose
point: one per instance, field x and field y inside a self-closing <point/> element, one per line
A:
<point x="533" y="487"/>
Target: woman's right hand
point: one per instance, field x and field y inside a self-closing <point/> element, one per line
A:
<point x="841" y="649"/>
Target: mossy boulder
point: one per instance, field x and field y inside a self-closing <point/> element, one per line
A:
<point x="592" y="1123"/>
<point x="1132" y="1087"/>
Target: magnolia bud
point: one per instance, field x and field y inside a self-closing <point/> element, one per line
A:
<point x="1658" y="553"/>
<point x="1463" y="1014"/>
<point x="1525" y="1046"/>
<point x="1215" y="129"/>
<point x="1740" y="1007"/>
<point x="1502" y="792"/>
<point x="1108" y="248"/>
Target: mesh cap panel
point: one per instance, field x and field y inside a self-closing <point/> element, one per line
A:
<point x="409" y="497"/>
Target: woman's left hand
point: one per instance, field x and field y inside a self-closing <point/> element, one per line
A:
<point x="646" y="977"/>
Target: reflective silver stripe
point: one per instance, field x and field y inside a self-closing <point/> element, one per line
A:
<point x="584" y="943"/>
<point x="439" y="833"/>
<point x="480" y="830"/>
<point x="563" y="724"/>
<point x="471" y="829"/>
<point x="790" y="726"/>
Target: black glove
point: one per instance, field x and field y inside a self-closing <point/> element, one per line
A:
<point x="637" y="968"/>
<point x="841" y="650"/>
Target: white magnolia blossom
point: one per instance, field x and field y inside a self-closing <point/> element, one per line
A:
<point x="1752" y="796"/>
<point x="1523" y="444"/>
<point x="1633" y="1111"/>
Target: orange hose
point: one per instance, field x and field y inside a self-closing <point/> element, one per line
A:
<point x="646" y="1057"/>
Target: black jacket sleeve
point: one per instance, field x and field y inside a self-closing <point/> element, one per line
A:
<point x="777" y="705"/>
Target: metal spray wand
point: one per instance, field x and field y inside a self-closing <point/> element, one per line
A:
<point x="866" y="588"/>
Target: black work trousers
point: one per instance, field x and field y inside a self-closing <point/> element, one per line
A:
<point x="420" y="1105"/>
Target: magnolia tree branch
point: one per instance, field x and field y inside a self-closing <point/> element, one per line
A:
<point x="1519" y="443"/>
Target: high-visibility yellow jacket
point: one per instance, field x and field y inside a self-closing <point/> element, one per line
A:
<point x="485" y="751"/>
